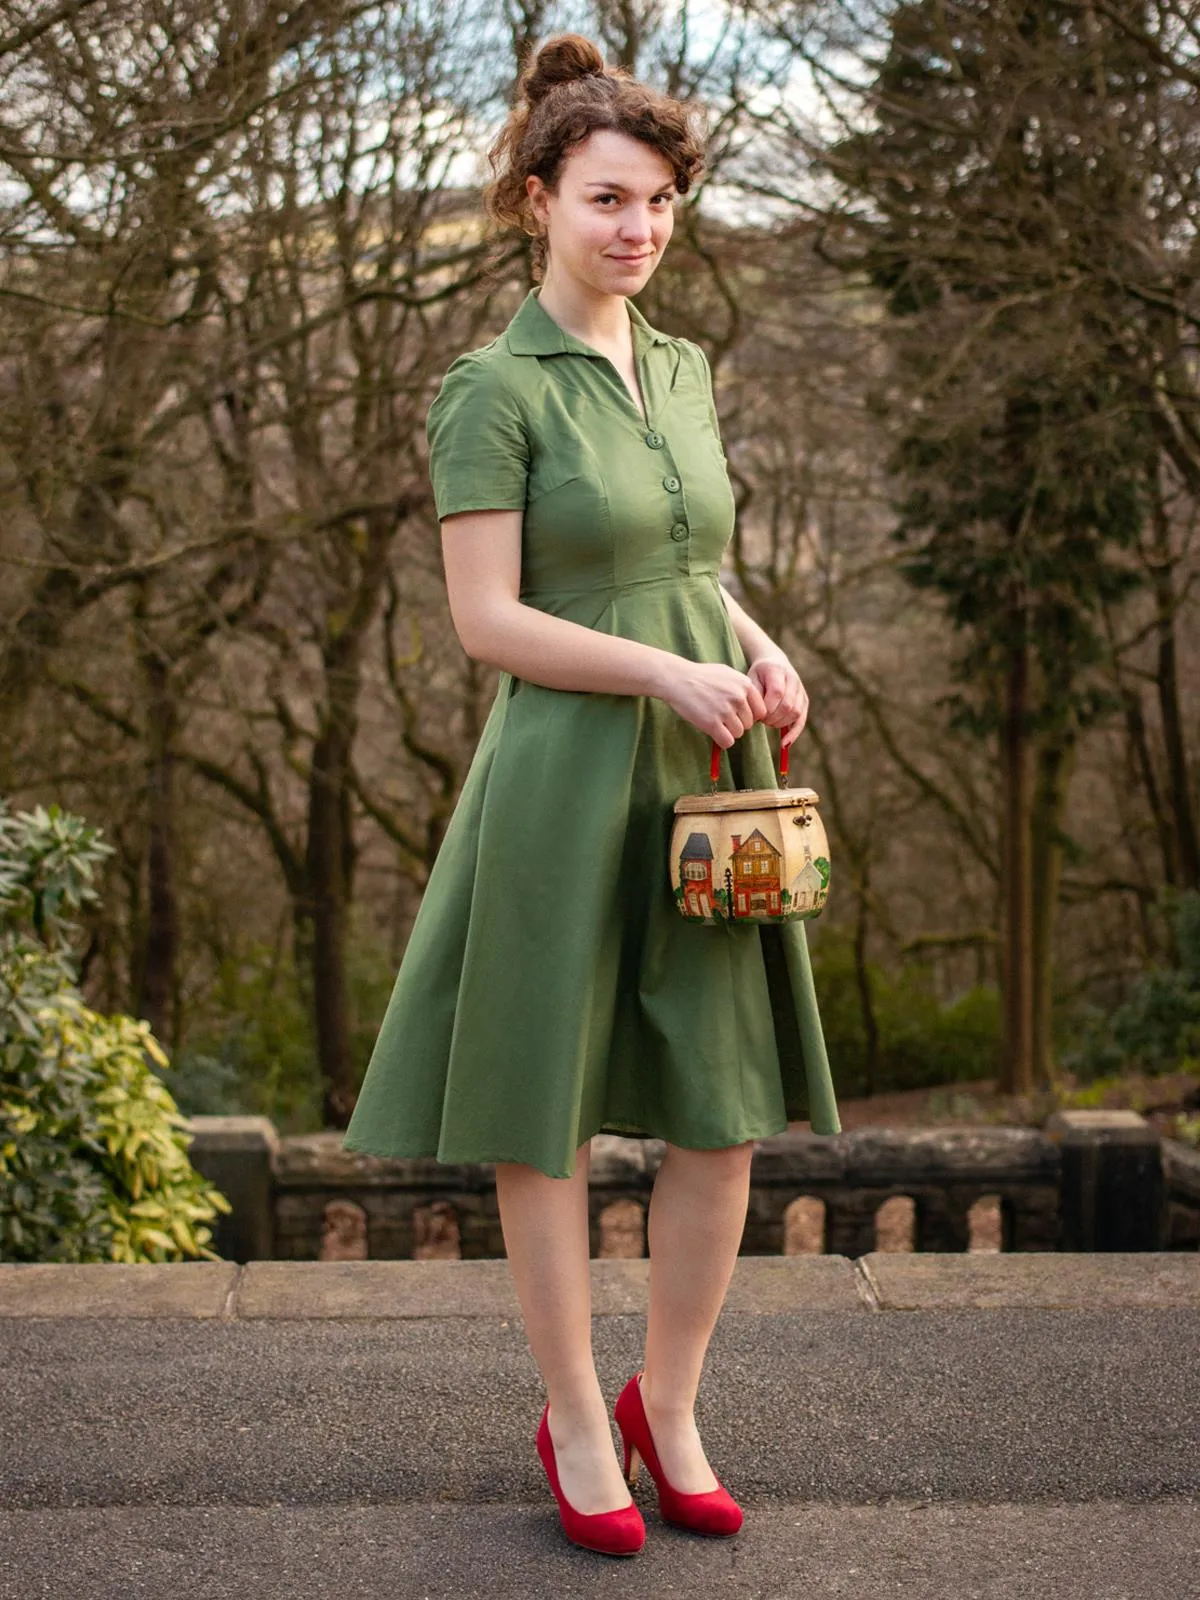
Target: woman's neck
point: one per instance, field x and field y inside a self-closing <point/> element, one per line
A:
<point x="601" y="320"/>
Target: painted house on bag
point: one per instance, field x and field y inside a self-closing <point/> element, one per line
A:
<point x="695" y="875"/>
<point x="756" y="886"/>
<point x="809" y="888"/>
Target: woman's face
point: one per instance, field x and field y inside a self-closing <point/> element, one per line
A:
<point x="608" y="223"/>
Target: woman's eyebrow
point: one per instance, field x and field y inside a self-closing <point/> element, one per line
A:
<point x="604" y="183"/>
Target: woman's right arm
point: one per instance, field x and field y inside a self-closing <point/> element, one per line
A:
<point x="481" y="551"/>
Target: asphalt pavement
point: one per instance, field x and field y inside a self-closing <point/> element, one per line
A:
<point x="933" y="1441"/>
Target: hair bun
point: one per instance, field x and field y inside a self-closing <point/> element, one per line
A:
<point x="560" y="60"/>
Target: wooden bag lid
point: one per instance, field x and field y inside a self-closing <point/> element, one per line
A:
<point x="746" y="800"/>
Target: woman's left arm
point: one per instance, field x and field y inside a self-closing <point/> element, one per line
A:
<point x="778" y="681"/>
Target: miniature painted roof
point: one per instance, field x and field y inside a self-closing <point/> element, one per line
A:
<point x="697" y="848"/>
<point x="757" y="834"/>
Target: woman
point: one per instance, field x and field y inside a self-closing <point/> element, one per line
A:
<point x="550" y="990"/>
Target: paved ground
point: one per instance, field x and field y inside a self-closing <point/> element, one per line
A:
<point x="1098" y="1551"/>
<point x="988" y="1444"/>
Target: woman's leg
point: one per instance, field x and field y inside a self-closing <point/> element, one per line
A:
<point x="545" y="1223"/>
<point x="694" y="1228"/>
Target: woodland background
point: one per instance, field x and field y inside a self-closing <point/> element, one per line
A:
<point x="945" y="265"/>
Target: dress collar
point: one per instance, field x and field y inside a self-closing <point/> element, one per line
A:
<point x="534" y="332"/>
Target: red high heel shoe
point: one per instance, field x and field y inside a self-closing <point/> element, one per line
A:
<point x="714" y="1511"/>
<point x="614" y="1533"/>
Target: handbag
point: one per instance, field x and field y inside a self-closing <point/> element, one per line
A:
<point x="749" y="855"/>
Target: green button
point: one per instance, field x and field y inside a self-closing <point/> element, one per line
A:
<point x="655" y="440"/>
<point x="679" y="531"/>
<point x="671" y="483"/>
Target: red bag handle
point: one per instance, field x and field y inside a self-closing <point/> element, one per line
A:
<point x="785" y="750"/>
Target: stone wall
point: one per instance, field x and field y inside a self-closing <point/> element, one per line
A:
<point x="1087" y="1181"/>
<point x="1181" y="1169"/>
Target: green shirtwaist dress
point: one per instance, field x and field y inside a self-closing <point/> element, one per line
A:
<point x="550" y="989"/>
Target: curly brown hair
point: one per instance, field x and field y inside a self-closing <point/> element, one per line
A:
<point x="565" y="92"/>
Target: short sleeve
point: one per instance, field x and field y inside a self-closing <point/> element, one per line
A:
<point x="478" y="441"/>
<point x="706" y="384"/>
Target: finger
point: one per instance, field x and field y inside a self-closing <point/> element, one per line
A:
<point x="796" y="728"/>
<point x="755" y="701"/>
<point x="739" y="720"/>
<point x="772" y="680"/>
<point x="780" y="714"/>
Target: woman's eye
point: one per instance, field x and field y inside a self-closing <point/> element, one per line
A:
<point x="665" y="198"/>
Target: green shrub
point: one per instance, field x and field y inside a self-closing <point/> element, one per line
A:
<point x="1156" y="1028"/>
<point x="253" y="1052"/>
<point x="207" y="1086"/>
<point x="53" y="1200"/>
<point x="93" y="1148"/>
<point x="922" y="1041"/>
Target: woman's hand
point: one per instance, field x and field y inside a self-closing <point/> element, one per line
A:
<point x="785" y="698"/>
<point x="718" y="699"/>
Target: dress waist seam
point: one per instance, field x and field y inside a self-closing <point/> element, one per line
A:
<point x="675" y="579"/>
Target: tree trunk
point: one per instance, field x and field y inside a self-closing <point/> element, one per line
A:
<point x="1055" y="764"/>
<point x="865" y="998"/>
<point x="1016" y="1066"/>
<point x="331" y="849"/>
<point x="329" y="853"/>
<point x="157" y="992"/>
<point x="1183" y="818"/>
<point x="1142" y="763"/>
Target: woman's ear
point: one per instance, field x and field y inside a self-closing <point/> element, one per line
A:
<point x="536" y="190"/>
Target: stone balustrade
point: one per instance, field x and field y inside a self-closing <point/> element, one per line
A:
<point x="1181" y="1176"/>
<point x="1089" y="1180"/>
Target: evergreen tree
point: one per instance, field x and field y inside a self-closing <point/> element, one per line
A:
<point x="1001" y="171"/>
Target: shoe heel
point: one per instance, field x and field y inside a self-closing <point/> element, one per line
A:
<point x="633" y="1463"/>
